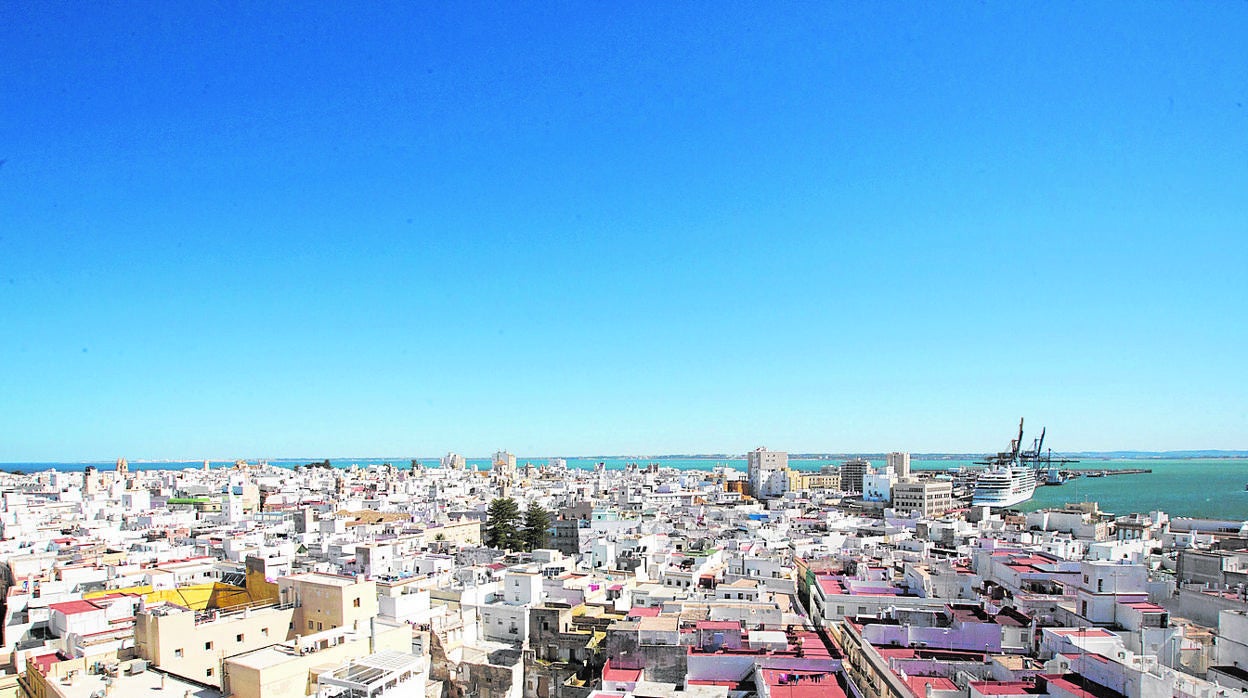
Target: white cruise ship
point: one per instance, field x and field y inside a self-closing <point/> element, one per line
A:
<point x="1004" y="486"/>
<point x="1012" y="476"/>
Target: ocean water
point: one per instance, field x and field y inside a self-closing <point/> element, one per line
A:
<point x="1199" y="487"/>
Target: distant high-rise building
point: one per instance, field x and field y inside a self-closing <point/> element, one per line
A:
<point x="90" y="480"/>
<point x="900" y="463"/>
<point x="768" y="473"/>
<point x="504" y="464"/>
<point x="454" y="461"/>
<point x="852" y="473"/>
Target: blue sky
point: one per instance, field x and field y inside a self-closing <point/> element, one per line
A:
<point x="241" y="231"/>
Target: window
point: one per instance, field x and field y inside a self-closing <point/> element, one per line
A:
<point x="238" y="637"/>
<point x="208" y="672"/>
<point x="319" y="626"/>
<point x="177" y="652"/>
<point x="310" y="625"/>
<point x="356" y="603"/>
<point x="207" y="645"/>
<point x="264" y="632"/>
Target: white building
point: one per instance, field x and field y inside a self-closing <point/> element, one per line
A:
<point x="1104" y="585"/>
<point x="877" y="485"/>
<point x="928" y="497"/>
<point x="768" y="473"/>
<point x="504" y="464"/>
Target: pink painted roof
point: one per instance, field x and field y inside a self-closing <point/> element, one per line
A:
<point x="70" y="608"/>
<point x="791" y="683"/>
<point x="1003" y="688"/>
<point x="610" y="673"/>
<point x="919" y="684"/>
<point x="831" y="586"/>
<point x="45" y="661"/>
<point x="1081" y="689"/>
<point x="717" y="625"/>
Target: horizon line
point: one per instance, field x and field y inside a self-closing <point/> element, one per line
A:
<point x="807" y="455"/>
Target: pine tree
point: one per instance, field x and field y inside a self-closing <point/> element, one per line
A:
<point x="536" y="522"/>
<point x="501" y="524"/>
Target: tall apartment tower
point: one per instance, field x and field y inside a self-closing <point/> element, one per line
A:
<point x="852" y="473"/>
<point x="768" y="473"/>
<point x="453" y="461"/>
<point x="900" y="463"/>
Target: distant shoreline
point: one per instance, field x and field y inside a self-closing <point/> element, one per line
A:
<point x="1194" y="487"/>
<point x="641" y="460"/>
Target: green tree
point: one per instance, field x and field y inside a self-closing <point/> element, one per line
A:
<point x="502" y="520"/>
<point x="536" y="522"/>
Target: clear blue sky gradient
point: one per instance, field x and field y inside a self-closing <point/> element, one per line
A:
<point x="258" y="230"/>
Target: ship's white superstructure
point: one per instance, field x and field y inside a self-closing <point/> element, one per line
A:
<point x="1012" y="476"/>
<point x="1004" y="486"/>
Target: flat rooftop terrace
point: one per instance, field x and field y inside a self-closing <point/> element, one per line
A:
<point x="147" y="683"/>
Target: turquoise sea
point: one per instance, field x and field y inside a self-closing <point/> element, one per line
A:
<point x="1200" y="487"/>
